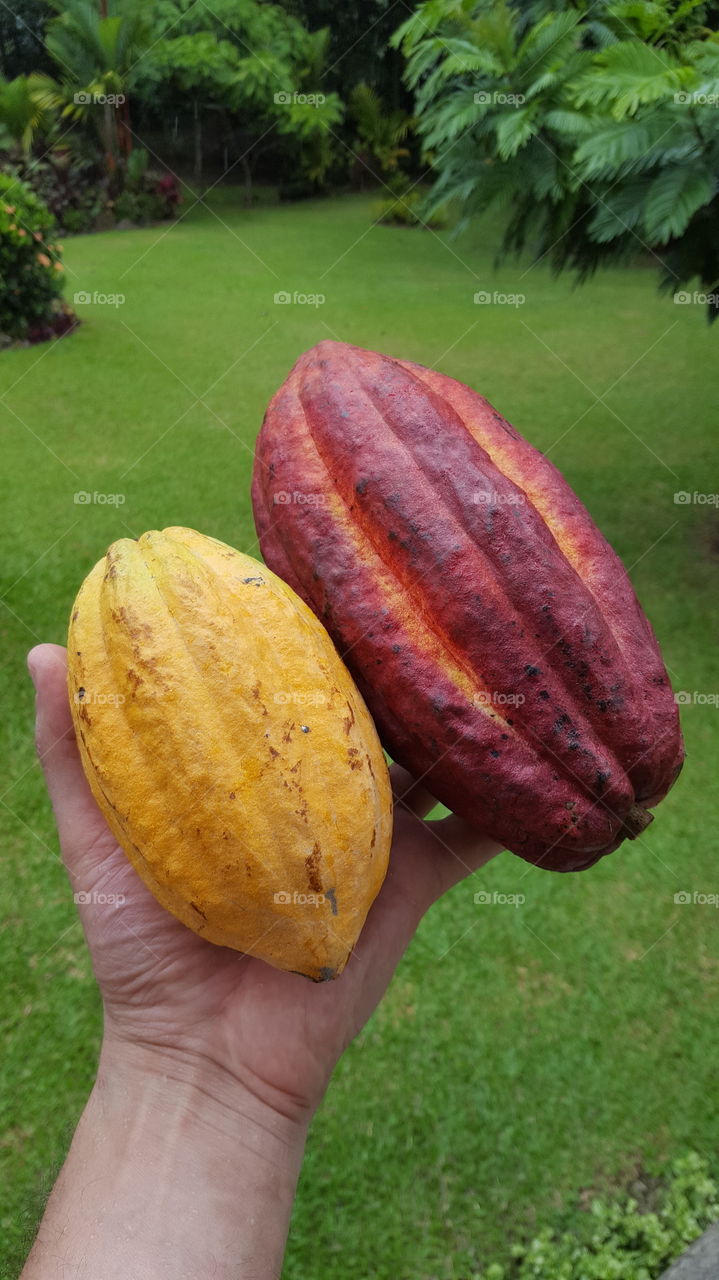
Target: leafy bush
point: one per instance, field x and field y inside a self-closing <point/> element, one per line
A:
<point x="407" y="211"/>
<point x="148" y="196"/>
<point x="618" y="1242"/>
<point x="75" y="191"/>
<point x="380" y="133"/>
<point x="71" y="187"/>
<point x="30" y="267"/>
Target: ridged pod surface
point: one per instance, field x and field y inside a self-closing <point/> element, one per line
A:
<point x="492" y="629"/>
<point x="229" y="750"/>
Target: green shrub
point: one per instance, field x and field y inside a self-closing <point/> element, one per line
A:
<point x="30" y="268"/>
<point x="70" y="185"/>
<point x="75" y="221"/>
<point x="148" y="195"/>
<point x="406" y="211"/>
<point x="618" y="1242"/>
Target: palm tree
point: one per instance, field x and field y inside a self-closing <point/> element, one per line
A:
<point x="95" y="47"/>
<point x="380" y="133"/>
<point x="22" y="115"/>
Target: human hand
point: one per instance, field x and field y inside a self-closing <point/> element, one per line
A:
<point x="175" y="1002"/>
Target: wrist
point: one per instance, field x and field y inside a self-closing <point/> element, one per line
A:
<point x="176" y="1170"/>
<point x="174" y="1085"/>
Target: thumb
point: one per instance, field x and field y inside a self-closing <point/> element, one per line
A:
<point x="79" y="822"/>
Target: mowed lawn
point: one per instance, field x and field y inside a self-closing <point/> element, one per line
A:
<point x="522" y="1053"/>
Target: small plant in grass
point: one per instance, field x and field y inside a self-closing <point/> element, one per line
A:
<point x="405" y="210"/>
<point x="148" y="195"/>
<point x="617" y="1240"/>
<point x="31" y="279"/>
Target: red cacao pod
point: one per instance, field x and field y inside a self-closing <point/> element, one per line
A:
<point x="492" y="629"/>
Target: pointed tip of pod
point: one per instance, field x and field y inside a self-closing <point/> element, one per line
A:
<point x="333" y="349"/>
<point x="636" y="820"/>
<point x="324" y="974"/>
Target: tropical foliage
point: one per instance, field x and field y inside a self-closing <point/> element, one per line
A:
<point x="596" y="127"/>
<point x="243" y="68"/>
<point x="22" y="112"/>
<point x="381" y="134"/>
<point x="30" y="265"/>
<point x="249" y="71"/>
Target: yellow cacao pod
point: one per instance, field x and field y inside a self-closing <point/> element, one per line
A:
<point x="229" y="750"/>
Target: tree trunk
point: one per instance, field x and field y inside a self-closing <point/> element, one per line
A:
<point x="109" y="130"/>
<point x="247" y="170"/>
<point x="197" y="170"/>
<point x="124" y="130"/>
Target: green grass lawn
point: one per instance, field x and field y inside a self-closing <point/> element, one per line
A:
<point x="521" y="1053"/>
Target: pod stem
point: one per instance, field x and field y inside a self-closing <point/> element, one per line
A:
<point x="636" y="821"/>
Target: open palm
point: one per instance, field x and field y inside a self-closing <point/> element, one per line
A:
<point x="166" y="989"/>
